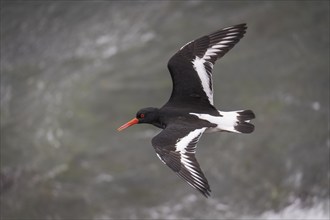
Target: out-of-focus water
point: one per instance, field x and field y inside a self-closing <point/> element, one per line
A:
<point x="72" y="72"/>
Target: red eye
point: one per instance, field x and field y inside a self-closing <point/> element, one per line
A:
<point x="142" y="116"/>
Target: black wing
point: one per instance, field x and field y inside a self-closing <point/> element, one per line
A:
<point x="191" y="67"/>
<point x="175" y="146"/>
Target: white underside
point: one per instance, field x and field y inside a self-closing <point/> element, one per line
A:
<point x="226" y="122"/>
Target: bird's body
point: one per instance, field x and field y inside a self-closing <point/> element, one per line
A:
<point x="190" y="110"/>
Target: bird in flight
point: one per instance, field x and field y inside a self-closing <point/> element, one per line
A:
<point x="190" y="111"/>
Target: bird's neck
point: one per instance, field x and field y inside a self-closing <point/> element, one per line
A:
<point x="159" y="125"/>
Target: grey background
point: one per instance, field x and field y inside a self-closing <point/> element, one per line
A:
<point x="74" y="71"/>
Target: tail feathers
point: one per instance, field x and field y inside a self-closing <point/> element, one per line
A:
<point x="237" y="121"/>
<point x="245" y="116"/>
<point x="244" y="127"/>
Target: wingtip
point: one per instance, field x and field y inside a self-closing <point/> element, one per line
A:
<point x="244" y="25"/>
<point x="241" y="25"/>
<point x="207" y="193"/>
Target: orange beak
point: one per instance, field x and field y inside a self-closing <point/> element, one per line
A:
<point x="128" y="124"/>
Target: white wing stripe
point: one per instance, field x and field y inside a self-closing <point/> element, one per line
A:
<point x="184" y="142"/>
<point x="225" y="42"/>
<point x="232" y="33"/>
<point x="195" y="175"/>
<point x="229" y="37"/>
<point x="216" y="46"/>
<point x="210" y="53"/>
<point x="181" y="146"/>
<point x="227" y="28"/>
<point x="198" y="65"/>
<point x="212" y="49"/>
<point x="186" y="162"/>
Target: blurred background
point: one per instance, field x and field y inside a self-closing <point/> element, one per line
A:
<point x="73" y="72"/>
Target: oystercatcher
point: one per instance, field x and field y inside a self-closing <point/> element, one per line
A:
<point x="189" y="111"/>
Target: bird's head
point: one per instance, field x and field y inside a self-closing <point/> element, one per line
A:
<point x="146" y="115"/>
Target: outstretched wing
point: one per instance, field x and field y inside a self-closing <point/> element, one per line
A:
<point x="191" y="67"/>
<point x="176" y="146"/>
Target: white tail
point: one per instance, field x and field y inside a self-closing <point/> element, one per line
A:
<point x="233" y="121"/>
<point x="236" y="121"/>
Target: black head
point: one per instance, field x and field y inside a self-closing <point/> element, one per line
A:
<point x="146" y="115"/>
